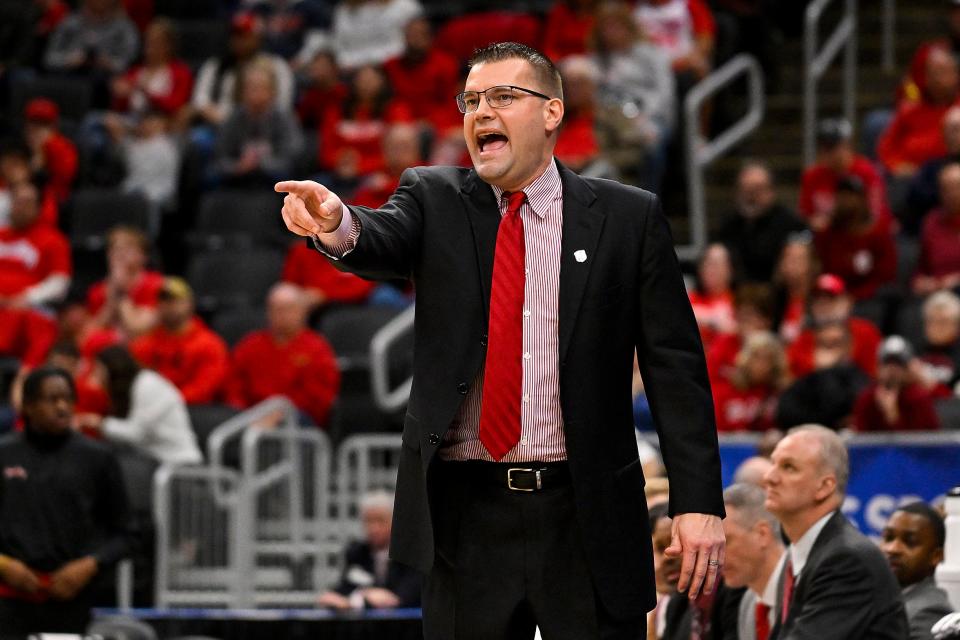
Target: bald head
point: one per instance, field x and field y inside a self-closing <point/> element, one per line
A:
<point x="286" y="311"/>
<point x="752" y="470"/>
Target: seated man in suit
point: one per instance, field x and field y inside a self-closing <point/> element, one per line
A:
<point x="754" y="558"/>
<point x="369" y="578"/>
<point x="913" y="541"/>
<point x="836" y="584"/>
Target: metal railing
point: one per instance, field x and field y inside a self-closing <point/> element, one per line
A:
<point x="817" y="60"/>
<point x="702" y="152"/>
<point x="387" y="399"/>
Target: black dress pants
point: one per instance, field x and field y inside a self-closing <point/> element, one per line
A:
<point x="19" y="619"/>
<point x="507" y="562"/>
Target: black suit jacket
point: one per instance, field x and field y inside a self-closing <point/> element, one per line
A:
<point x="440" y="228"/>
<point x="402" y="580"/>
<point x="846" y="591"/>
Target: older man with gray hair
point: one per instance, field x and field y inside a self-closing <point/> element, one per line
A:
<point x="754" y="558"/>
<point x="836" y="584"/>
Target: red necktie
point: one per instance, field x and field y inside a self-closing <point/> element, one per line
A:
<point x="787" y="590"/>
<point x="503" y="371"/>
<point x="763" y="621"/>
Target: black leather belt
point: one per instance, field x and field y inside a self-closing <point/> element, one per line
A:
<point x="515" y="476"/>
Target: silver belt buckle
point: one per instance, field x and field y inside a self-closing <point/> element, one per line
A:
<point x="510" y="479"/>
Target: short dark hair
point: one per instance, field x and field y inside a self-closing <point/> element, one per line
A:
<point x="931" y="515"/>
<point x="544" y="70"/>
<point x="34" y="382"/>
<point x="657" y="512"/>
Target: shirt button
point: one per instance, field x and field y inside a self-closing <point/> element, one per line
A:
<point x="463" y="388"/>
<point x="526" y="313"/>
<point x="526" y="397"/>
<point x="526" y="356"/>
<point x="434" y="438"/>
<point x="523" y="440"/>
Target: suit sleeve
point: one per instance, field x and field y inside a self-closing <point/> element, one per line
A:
<point x="674" y="372"/>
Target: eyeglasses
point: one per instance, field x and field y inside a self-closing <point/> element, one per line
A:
<point x="497" y="97"/>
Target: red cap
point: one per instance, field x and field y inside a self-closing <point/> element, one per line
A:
<point x="830" y="285"/>
<point x="42" y="110"/>
<point x="245" y="23"/>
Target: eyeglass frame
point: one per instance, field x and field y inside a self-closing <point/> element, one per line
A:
<point x="463" y="108"/>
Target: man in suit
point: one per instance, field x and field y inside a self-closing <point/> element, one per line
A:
<point x="836" y="584"/>
<point x="520" y="492"/>
<point x="369" y="578"/>
<point x="913" y="541"/>
<point x="754" y="558"/>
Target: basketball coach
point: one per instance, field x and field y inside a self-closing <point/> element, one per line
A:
<point x="519" y="493"/>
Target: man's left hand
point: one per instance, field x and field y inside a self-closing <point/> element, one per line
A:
<point x="72" y="577"/>
<point x="697" y="538"/>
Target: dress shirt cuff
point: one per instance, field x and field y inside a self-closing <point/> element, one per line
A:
<point x="342" y="240"/>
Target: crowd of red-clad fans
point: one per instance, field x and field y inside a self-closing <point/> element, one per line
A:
<point x="184" y="101"/>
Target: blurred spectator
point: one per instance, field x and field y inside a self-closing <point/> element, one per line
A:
<point x="286" y="359"/>
<point x="124" y="304"/>
<point x="939" y="264"/>
<point x="938" y="362"/>
<point x="351" y="136"/>
<point x="754" y="558"/>
<point x="260" y="141"/>
<point x="745" y="26"/>
<point x="161" y="82"/>
<point x="682" y="29"/>
<point x="425" y="78"/>
<point x="635" y="80"/>
<point x="53" y="156"/>
<point x="216" y="90"/>
<point x="666" y="569"/>
<point x="323" y="92"/>
<point x="753" y="312"/>
<point x="585" y="144"/>
<point x="63" y="514"/>
<point x="914" y="136"/>
<point x="322" y="283"/>
<point x="895" y="402"/>
<point x="830" y="303"/>
<point x="90" y="398"/>
<point x="401" y="150"/>
<point x="146" y="410"/>
<point x="924" y="190"/>
<point x="370" y="32"/>
<point x="752" y="470"/>
<point x="827" y="392"/>
<point x="151" y="162"/>
<point x="182" y="348"/>
<point x="913" y="540"/>
<point x="369" y="578"/>
<point x="759" y="226"/>
<point x="35" y="264"/>
<point x="287" y="23"/>
<point x="27" y="335"/>
<point x="712" y="299"/>
<point x="568" y="27"/>
<point x="15" y="169"/>
<point x="747" y="401"/>
<point x="837" y="159"/>
<point x="98" y="38"/>
<point x="836" y="582"/>
<point x="914" y="83"/>
<point x="793" y="282"/>
<point x="25" y="28"/>
<point x="857" y="243"/>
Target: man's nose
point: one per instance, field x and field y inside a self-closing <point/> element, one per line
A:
<point x="484" y="110"/>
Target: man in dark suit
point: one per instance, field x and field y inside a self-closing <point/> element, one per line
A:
<point x="520" y="492"/>
<point x="913" y="541"/>
<point x="836" y="584"/>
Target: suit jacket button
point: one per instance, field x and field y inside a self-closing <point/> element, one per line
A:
<point x="434" y="438"/>
<point x="463" y="388"/>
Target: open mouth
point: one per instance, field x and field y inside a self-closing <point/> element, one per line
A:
<point x="492" y="141"/>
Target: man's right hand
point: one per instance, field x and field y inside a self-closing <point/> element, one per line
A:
<point x="309" y="207"/>
<point x="18" y="575"/>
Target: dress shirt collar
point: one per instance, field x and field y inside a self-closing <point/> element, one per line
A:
<point x="769" y="595"/>
<point x="541" y="192"/>
<point x="800" y="550"/>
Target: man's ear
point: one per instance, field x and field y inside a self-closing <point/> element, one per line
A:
<point x="553" y="114"/>
<point x="828" y="486"/>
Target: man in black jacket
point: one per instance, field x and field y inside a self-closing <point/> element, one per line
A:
<point x="836" y="584"/>
<point x="63" y="513"/>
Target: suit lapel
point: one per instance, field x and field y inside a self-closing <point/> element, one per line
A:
<point x="484" y="216"/>
<point x="582" y="223"/>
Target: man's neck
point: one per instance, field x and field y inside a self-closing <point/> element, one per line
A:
<point x="797" y="525"/>
<point x="770" y="562"/>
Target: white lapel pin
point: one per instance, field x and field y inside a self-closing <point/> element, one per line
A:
<point x="580" y="255"/>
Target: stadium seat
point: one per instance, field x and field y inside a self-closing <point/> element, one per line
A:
<point x="72" y="95"/>
<point x="92" y="212"/>
<point x="948" y="411"/>
<point x="198" y="40"/>
<point x="234" y="323"/>
<point x="205" y="418"/>
<point x="240" y="218"/>
<point x="189" y="9"/>
<point x="350" y="329"/>
<point x="233" y="278"/>
<point x="462" y="35"/>
<point x="121" y="628"/>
